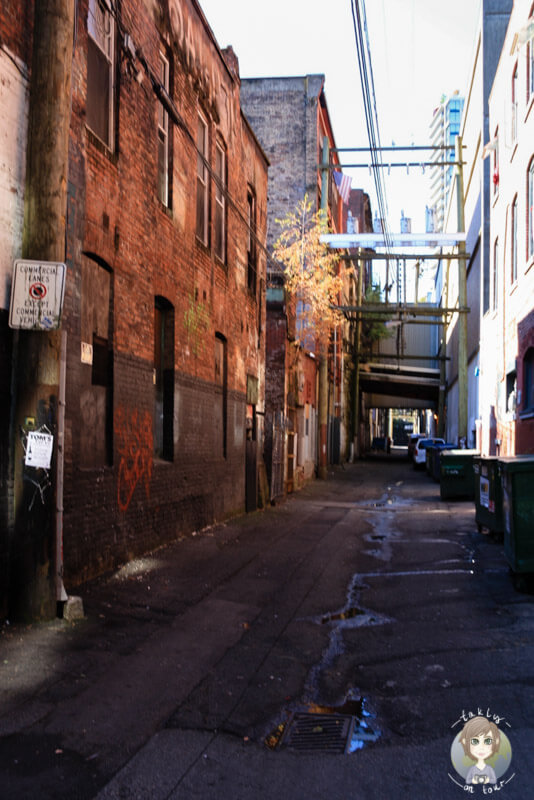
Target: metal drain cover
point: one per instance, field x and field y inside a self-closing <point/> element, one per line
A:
<point x="325" y="732"/>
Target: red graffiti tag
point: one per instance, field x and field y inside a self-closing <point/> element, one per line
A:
<point x="135" y="446"/>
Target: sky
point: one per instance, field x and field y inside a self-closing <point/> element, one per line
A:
<point x="420" y="50"/>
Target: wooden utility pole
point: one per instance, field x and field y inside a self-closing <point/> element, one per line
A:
<point x="33" y="588"/>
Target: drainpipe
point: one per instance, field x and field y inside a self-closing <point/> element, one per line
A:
<point x="61" y="594"/>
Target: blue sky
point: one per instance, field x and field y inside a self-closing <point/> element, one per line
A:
<point x="420" y="50"/>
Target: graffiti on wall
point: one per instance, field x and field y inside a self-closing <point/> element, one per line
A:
<point x="135" y="447"/>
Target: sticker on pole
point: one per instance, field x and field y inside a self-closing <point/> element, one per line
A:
<point x="37" y="294"/>
<point x="39" y="447"/>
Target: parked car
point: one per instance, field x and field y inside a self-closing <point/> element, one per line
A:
<point x="419" y="453"/>
<point x="412" y="441"/>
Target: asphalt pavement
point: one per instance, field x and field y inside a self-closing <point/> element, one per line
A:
<point x="332" y="646"/>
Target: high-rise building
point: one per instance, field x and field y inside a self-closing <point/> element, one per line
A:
<point x="444" y="128"/>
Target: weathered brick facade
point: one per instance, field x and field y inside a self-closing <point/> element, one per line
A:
<point x="166" y="332"/>
<point x="291" y="119"/>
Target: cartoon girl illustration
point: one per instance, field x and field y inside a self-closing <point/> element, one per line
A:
<point x="480" y="739"/>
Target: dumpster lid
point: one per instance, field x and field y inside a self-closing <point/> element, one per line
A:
<point x="459" y="452"/>
<point x="521" y="463"/>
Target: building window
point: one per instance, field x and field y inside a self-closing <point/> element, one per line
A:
<point x="220" y="201"/>
<point x="100" y="71"/>
<point x="163" y="135"/>
<point x="513" y="243"/>
<point x="252" y="266"/>
<point x="511" y="392"/>
<point x="495" y="165"/>
<point x="528" y="380"/>
<point x="530" y="210"/>
<point x="202" y="180"/>
<point x="221" y="389"/>
<point x="163" y="379"/>
<point x="514" y="98"/>
<point x="530" y="63"/>
<point x="495" y="277"/>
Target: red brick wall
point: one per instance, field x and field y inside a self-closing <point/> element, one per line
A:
<point x="115" y="219"/>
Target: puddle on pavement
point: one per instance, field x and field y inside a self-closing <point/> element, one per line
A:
<point x="349" y="613"/>
<point x="362" y="730"/>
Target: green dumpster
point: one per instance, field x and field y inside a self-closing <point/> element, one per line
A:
<point x="488" y="494"/>
<point x="517" y="475"/>
<point x="456" y="474"/>
<point x="436" y="459"/>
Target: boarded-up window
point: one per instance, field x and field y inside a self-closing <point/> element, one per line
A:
<point x="96" y="376"/>
<point x="221" y="394"/>
<point x="164" y="379"/>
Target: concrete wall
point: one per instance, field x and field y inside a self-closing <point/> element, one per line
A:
<point x="507" y="331"/>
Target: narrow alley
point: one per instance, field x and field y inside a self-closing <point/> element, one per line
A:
<point x="364" y="597"/>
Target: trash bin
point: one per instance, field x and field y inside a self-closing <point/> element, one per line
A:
<point x="435" y="470"/>
<point x="517" y="475"/>
<point x="456" y="474"/>
<point x="428" y="458"/>
<point x="488" y="494"/>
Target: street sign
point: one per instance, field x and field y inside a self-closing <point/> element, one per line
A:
<point x="37" y="295"/>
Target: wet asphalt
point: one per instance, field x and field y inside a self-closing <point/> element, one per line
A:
<point x="365" y="600"/>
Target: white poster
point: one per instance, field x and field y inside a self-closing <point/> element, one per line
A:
<point x="39" y="449"/>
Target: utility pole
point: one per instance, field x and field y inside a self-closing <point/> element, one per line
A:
<point x="323" y="362"/>
<point x="462" y="300"/>
<point x="37" y="354"/>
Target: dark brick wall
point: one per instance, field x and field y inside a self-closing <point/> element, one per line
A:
<point x="137" y="502"/>
<point x="115" y="221"/>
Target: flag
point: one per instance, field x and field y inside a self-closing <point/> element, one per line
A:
<point x="343" y="183"/>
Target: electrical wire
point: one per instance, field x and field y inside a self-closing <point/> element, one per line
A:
<point x="371" y="115"/>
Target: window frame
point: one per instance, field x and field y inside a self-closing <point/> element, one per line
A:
<point x="105" y="44"/>
<point x="163" y="134"/>
<point x="494" y="284"/>
<point x="221" y="384"/>
<point x="530" y="210"/>
<point x="495" y="165"/>
<point x="164" y="370"/>
<point x="530" y="63"/>
<point x="252" y="251"/>
<point x="220" y="215"/>
<point x="514" y="103"/>
<point x="528" y="382"/>
<point x="513" y="241"/>
<point x="202" y="184"/>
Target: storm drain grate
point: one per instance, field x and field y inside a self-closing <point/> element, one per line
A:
<point x="325" y="732"/>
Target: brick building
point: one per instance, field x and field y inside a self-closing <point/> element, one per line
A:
<point x="166" y="264"/>
<point x="291" y="119"/>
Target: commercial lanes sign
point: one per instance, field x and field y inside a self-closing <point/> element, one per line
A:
<point x="37" y="294"/>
